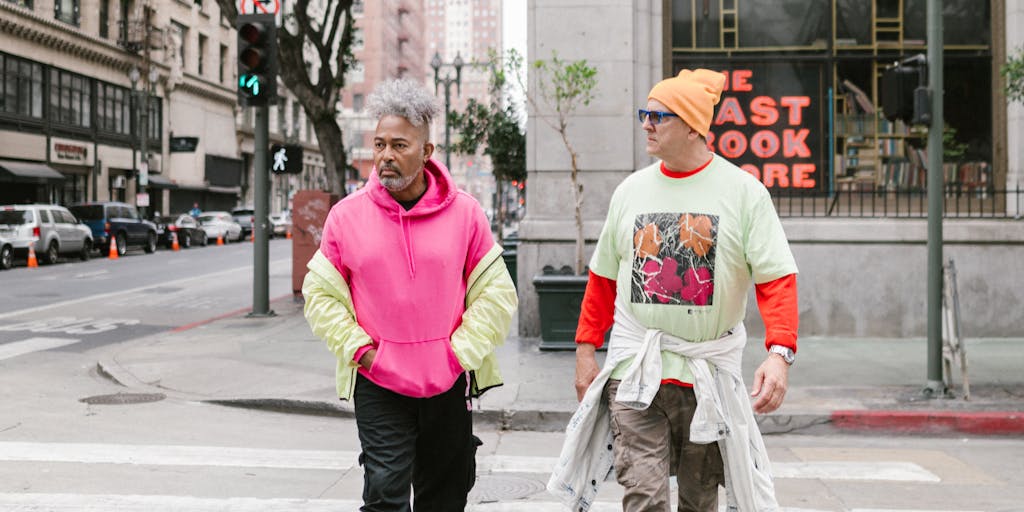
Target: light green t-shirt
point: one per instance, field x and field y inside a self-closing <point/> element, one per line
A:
<point x="684" y="251"/>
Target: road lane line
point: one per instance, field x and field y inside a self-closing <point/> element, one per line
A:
<point x="159" y="455"/>
<point x="20" y="348"/>
<point x="101" y="296"/>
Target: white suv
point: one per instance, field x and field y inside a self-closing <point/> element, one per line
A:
<point x="52" y="230"/>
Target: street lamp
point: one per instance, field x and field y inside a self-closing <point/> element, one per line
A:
<point x="447" y="80"/>
<point x="145" y="92"/>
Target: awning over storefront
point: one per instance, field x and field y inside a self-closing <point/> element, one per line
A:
<point x="156" y="180"/>
<point x="28" y="172"/>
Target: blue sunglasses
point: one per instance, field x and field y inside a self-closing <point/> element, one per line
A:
<point x="656" y="116"/>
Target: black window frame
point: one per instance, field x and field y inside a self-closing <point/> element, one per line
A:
<point x="71" y="97"/>
<point x="22" y="94"/>
<point x="113" y="109"/>
<point x="72" y="18"/>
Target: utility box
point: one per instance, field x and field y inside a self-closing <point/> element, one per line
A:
<point x="309" y="212"/>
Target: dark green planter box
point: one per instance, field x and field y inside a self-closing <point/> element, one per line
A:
<point x="559" y="297"/>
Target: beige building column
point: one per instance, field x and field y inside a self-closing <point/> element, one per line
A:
<point x="624" y="41"/>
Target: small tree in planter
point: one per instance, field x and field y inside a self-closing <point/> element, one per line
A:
<point x="560" y="88"/>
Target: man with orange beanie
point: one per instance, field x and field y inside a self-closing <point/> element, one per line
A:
<point x="683" y="241"/>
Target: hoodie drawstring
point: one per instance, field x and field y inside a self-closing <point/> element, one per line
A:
<point x="408" y="244"/>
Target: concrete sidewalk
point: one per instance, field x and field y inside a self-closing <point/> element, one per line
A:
<point x="851" y="384"/>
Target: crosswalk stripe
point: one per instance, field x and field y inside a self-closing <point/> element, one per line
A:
<point x="30" y="345"/>
<point x="43" y="502"/>
<point x="155" y="455"/>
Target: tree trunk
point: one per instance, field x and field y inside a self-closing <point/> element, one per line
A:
<point x="328" y="135"/>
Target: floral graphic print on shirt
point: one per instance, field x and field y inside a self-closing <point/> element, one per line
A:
<point x="674" y="258"/>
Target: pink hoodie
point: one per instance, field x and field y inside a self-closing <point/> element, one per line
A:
<point x="407" y="271"/>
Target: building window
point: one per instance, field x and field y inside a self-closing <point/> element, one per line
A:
<point x="202" y="53"/>
<point x="21" y="87"/>
<point x="357" y="102"/>
<point x="155" y="121"/>
<point x="223" y="62"/>
<point x="66" y="11"/>
<point x="296" y="124"/>
<point x="70" y="99"/>
<point x="23" y="3"/>
<point x="113" y="109"/>
<point x="105" y="19"/>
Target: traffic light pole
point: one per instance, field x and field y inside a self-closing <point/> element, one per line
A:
<point x="261" y="192"/>
<point x="935" y="388"/>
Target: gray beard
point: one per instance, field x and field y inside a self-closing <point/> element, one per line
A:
<point x="397" y="184"/>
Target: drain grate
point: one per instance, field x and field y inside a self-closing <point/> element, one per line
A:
<point x="123" y="398"/>
<point x="161" y="290"/>
<point x="494" y="488"/>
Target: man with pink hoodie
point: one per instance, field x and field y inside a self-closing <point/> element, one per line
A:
<point x="410" y="292"/>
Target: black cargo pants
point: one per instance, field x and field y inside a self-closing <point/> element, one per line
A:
<point x="425" y="442"/>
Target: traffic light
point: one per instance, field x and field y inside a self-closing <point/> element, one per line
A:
<point x="257" y="59"/>
<point x="286" y="159"/>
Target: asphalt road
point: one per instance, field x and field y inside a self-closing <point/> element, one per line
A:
<point x="109" y="301"/>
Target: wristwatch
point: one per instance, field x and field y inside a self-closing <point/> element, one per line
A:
<point x="787" y="353"/>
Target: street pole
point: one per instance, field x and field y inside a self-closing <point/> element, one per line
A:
<point x="935" y="387"/>
<point x="447" y="128"/>
<point x="447" y="80"/>
<point x="261" y="193"/>
<point x="144" y="144"/>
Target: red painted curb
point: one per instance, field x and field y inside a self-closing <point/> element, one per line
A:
<point x="932" y="422"/>
<point x="236" y="312"/>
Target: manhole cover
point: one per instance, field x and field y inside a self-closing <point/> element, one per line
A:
<point x="123" y="398"/>
<point x="494" y="488"/>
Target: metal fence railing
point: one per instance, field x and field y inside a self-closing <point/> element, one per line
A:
<point x="912" y="203"/>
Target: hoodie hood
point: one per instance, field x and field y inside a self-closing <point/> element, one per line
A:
<point x="441" y="191"/>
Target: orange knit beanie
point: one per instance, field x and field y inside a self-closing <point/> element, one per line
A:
<point x="692" y="95"/>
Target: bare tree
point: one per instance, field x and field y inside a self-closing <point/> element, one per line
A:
<point x="325" y="30"/>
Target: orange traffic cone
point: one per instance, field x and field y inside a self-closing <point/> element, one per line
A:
<point x="288" y="235"/>
<point x="220" y="239"/>
<point x="252" y="237"/>
<point x="32" y="261"/>
<point x="174" y="242"/>
<point x="113" y="249"/>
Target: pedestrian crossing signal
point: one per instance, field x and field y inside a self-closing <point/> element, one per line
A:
<point x="286" y="159"/>
<point x="257" y="59"/>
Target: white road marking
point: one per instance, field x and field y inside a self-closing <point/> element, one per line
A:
<point x="91" y="274"/>
<point x="19" y="348"/>
<point x="344" y="460"/>
<point x="152" y="455"/>
<point x="43" y="502"/>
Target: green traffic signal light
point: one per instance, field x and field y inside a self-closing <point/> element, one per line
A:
<point x="257" y="59"/>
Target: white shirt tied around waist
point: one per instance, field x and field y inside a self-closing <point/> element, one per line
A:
<point x="723" y="414"/>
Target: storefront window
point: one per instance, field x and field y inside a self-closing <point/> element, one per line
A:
<point x="21" y="87"/>
<point x="749" y="23"/>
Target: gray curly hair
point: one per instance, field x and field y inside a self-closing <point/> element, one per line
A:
<point x="403" y="98"/>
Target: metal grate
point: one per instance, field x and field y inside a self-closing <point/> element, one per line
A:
<point x="123" y="398"/>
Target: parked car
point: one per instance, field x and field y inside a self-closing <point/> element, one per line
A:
<point x="118" y="220"/>
<point x="185" y="226"/>
<point x="281" y="224"/>
<point x="6" y="254"/>
<point x="245" y="217"/>
<point x="220" y="224"/>
<point x="52" y="230"/>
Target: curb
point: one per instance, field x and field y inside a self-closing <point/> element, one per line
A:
<point x="989" y="423"/>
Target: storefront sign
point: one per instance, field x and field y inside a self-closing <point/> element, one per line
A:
<point x="770" y="123"/>
<point x="184" y="144"/>
<point x="72" y="152"/>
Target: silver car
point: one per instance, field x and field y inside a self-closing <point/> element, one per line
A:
<point x="50" y="229"/>
<point x="220" y="224"/>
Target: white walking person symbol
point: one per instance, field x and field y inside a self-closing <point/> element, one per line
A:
<point x="279" y="160"/>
